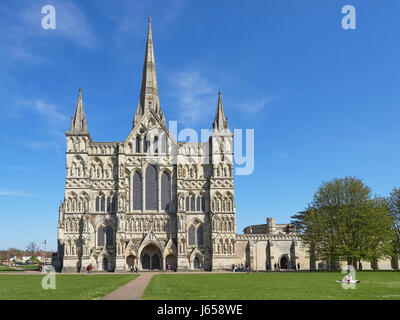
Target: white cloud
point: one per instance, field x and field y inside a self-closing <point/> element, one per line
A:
<point x="16" y="193"/>
<point x="130" y="17"/>
<point x="255" y="106"/>
<point x="23" y="38"/>
<point x="195" y="96"/>
<point x="47" y="110"/>
<point x="71" y="23"/>
<point x="20" y="169"/>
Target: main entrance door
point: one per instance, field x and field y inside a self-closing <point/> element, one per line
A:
<point x="284" y="262"/>
<point x="151" y="257"/>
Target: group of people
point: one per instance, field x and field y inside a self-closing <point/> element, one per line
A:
<point x="240" y="268"/>
<point x="134" y="268"/>
<point x="89" y="269"/>
<point x="277" y="267"/>
<point x="291" y="266"/>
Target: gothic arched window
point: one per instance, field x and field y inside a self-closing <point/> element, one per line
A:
<point x="192" y="203"/>
<point x="109" y="236"/>
<point x="151" y="188"/>
<point x="200" y="236"/>
<point x="103" y="203"/>
<point x="187" y="204"/>
<point x="146" y="144"/>
<point x="138" y="140"/>
<point x="137" y="192"/>
<point x="191" y="236"/>
<point x="196" y="234"/>
<point x="165" y="191"/>
<point x="203" y="203"/>
<point x="155" y="144"/>
<point x="114" y="204"/>
<point x="97" y="203"/>
<point x="100" y="236"/>
<point x="198" y="204"/>
<point x="109" y="204"/>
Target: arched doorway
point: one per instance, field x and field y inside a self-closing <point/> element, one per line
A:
<point x="130" y="261"/>
<point x="196" y="263"/>
<point x="171" y="260"/>
<point x="155" y="261"/>
<point x="151" y="257"/>
<point x="145" y="261"/>
<point x="105" y="264"/>
<point x="284" y="262"/>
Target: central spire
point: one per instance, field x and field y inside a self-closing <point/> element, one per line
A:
<point x="149" y="98"/>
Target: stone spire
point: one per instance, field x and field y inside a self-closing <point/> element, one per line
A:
<point x="220" y="121"/>
<point x="78" y="123"/>
<point x="149" y="98"/>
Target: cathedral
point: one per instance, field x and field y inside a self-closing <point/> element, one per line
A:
<point x="151" y="202"/>
<point x="148" y="201"/>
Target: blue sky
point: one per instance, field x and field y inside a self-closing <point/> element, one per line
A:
<point x="323" y="101"/>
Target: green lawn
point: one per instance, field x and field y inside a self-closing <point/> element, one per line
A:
<point x="68" y="287"/>
<point x="6" y="268"/>
<point x="265" y="286"/>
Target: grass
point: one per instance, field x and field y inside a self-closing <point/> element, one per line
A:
<point x="29" y="267"/>
<point x="7" y="268"/>
<point x="273" y="286"/>
<point x="68" y="287"/>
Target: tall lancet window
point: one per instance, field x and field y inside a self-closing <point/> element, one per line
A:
<point x="151" y="188"/>
<point x="100" y="236"/>
<point x="146" y="144"/>
<point x="187" y="203"/>
<point x="191" y="236"/>
<point x="138" y="142"/>
<point x="155" y="144"/>
<point x="137" y="192"/>
<point x="165" y="191"/>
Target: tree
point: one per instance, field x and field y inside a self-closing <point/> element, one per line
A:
<point x="394" y="207"/>
<point x="3" y="255"/>
<point x="343" y="222"/>
<point x="32" y="250"/>
<point x="12" y="252"/>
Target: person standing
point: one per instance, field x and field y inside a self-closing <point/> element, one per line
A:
<point x="298" y="266"/>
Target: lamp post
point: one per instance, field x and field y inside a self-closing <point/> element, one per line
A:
<point x="45" y="243"/>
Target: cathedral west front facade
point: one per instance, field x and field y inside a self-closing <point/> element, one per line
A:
<point x="147" y="201"/>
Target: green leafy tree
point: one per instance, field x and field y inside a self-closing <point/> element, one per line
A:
<point x="343" y="222"/>
<point x="394" y="207"/>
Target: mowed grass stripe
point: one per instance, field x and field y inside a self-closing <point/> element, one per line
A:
<point x="68" y="287"/>
<point x="272" y="286"/>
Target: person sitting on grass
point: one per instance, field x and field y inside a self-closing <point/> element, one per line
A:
<point x="348" y="279"/>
